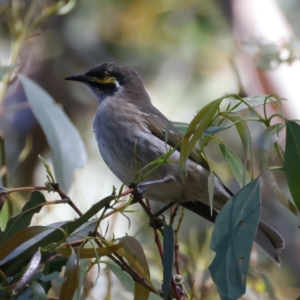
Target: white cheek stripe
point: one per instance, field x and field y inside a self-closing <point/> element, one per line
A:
<point x="117" y="83"/>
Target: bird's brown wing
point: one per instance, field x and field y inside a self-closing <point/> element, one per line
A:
<point x="164" y="129"/>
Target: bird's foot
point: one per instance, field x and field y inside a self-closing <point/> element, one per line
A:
<point x="140" y="189"/>
<point x="157" y="222"/>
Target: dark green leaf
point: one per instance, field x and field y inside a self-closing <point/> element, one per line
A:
<point x="236" y="166"/>
<point x="196" y="128"/>
<point x="264" y="144"/>
<point x="292" y="159"/>
<point x="23" y="219"/>
<point x="211" y="189"/>
<point x="69" y="287"/>
<point x="168" y="245"/>
<point x="62" y="136"/>
<point x="232" y="239"/>
<point x="246" y="139"/>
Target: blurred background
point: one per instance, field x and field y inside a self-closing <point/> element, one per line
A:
<point x="188" y="53"/>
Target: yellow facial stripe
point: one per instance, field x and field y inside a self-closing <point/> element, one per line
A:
<point x="105" y="80"/>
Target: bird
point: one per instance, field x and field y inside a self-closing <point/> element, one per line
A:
<point x="132" y="133"/>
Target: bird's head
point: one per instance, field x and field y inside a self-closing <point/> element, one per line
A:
<point x="112" y="79"/>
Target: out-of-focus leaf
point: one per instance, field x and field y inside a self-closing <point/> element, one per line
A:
<point x="62" y="136"/>
<point x="264" y="144"/>
<point x="196" y="128"/>
<point x="89" y="252"/>
<point x="133" y="247"/>
<point x="292" y="159"/>
<point x="235" y="165"/>
<point x="69" y="287"/>
<point x="211" y="189"/>
<point x="30" y="270"/>
<point x="124" y="278"/>
<point x="24" y="253"/>
<point x="6" y="69"/>
<point x="168" y="259"/>
<point x="181" y="127"/>
<point x="23" y="219"/>
<point x="246" y="139"/>
<point x="232" y="239"/>
<point x="253" y="101"/>
<point x="37" y="291"/>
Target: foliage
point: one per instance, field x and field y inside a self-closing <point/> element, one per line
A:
<point x="32" y="256"/>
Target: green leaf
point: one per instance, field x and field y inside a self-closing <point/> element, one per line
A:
<point x="196" y="128"/>
<point x="264" y="144"/>
<point x="253" y="101"/>
<point x="168" y="245"/>
<point x="124" y="278"/>
<point x="181" y="127"/>
<point x="232" y="239"/>
<point x="211" y="189"/>
<point x="292" y="159"/>
<point x="69" y="287"/>
<point x="37" y="291"/>
<point x="135" y="249"/>
<point x="246" y="139"/>
<point x="235" y="165"/>
<point x="22" y="255"/>
<point x="62" y="136"/>
<point x="23" y="219"/>
<point x="10" y="246"/>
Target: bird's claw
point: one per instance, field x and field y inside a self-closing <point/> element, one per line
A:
<point x="157" y="222"/>
<point x="138" y="190"/>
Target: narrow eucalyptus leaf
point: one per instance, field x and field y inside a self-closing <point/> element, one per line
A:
<point x="264" y="144"/>
<point x="23" y="219"/>
<point x="232" y="239"/>
<point x="69" y="287"/>
<point x="168" y="245"/>
<point x="63" y="138"/>
<point x="292" y="159"/>
<point x="37" y="291"/>
<point x="236" y="166"/>
<point x="253" y="101"/>
<point x="211" y="189"/>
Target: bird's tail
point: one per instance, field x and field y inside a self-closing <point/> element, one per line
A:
<point x="270" y="241"/>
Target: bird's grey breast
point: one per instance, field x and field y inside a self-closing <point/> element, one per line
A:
<point x="117" y="135"/>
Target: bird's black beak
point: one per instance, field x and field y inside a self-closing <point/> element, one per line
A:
<point x="79" y="77"/>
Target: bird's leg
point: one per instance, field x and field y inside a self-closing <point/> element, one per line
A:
<point x="139" y="190"/>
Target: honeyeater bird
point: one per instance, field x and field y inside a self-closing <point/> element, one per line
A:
<point x="131" y="133"/>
